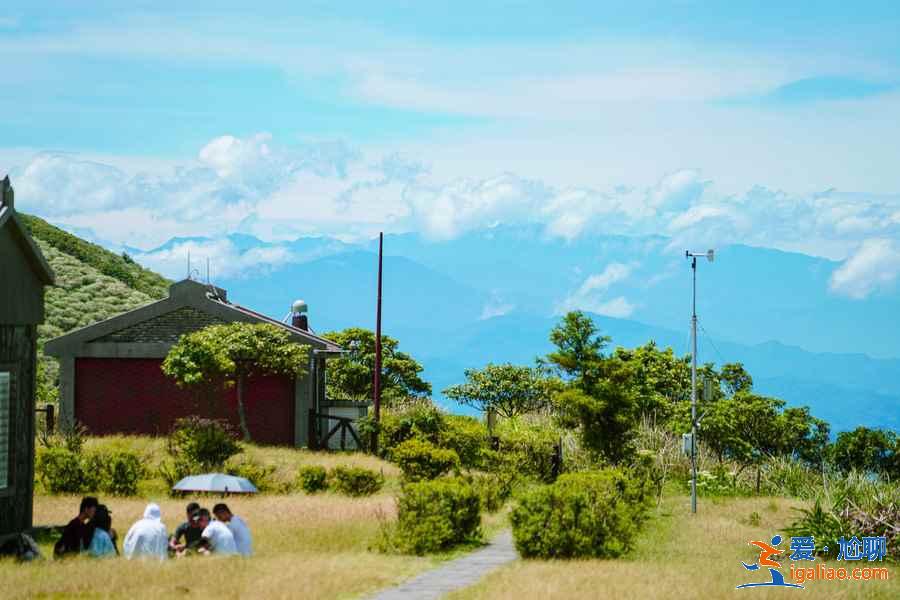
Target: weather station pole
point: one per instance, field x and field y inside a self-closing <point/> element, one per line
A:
<point x="376" y="391"/>
<point x="692" y="256"/>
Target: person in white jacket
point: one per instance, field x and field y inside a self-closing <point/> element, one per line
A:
<point x="148" y="537"/>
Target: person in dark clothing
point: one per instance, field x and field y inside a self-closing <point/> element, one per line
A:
<point x="190" y="530"/>
<point x="78" y="533"/>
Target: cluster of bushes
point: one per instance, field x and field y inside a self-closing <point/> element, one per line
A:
<point x="64" y="466"/>
<point x="581" y="515"/>
<point x="347" y="480"/>
<point x="197" y="445"/>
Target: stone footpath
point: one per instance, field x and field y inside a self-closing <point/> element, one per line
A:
<point x="456" y="574"/>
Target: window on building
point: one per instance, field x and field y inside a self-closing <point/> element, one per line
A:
<point x="5" y="415"/>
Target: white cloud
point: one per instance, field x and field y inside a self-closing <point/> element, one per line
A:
<point x="496" y="307"/>
<point x="873" y="266"/>
<point x="226" y="260"/>
<point x="590" y="295"/>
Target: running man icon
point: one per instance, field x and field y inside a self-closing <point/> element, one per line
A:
<point x="767" y="551"/>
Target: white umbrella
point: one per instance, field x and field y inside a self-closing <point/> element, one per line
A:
<point x="216" y="482"/>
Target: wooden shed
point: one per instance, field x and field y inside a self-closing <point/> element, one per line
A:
<point x="23" y="274"/>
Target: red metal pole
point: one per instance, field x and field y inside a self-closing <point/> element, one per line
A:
<point x="377" y="387"/>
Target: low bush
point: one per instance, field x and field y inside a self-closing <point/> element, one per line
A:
<point x="62" y="471"/>
<point x="493" y="490"/>
<point x="468" y="437"/>
<point x="260" y="475"/>
<point x="420" y="460"/>
<point x="355" y="481"/>
<point x="204" y="444"/>
<point x="59" y="470"/>
<point x="312" y="479"/>
<point x="434" y="516"/>
<point x="421" y="420"/>
<point x="581" y="515"/>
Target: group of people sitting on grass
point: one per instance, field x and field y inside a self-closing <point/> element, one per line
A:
<point x="91" y="533"/>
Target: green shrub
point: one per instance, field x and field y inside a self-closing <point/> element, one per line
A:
<point x="355" y="481"/>
<point x="260" y="475"/>
<point x="59" y="470"/>
<point x="203" y="444"/>
<point x="312" y="479"/>
<point x="492" y="489"/>
<point x="421" y="420"/>
<point x="115" y="472"/>
<point x="524" y="449"/>
<point x="468" y="437"/>
<point x="436" y="515"/>
<point x="581" y="515"/>
<point x="420" y="460"/>
<point x="785" y="476"/>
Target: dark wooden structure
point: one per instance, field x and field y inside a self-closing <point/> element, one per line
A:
<point x="23" y="274"/>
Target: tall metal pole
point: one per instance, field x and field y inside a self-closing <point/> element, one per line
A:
<point x="377" y="382"/>
<point x="694" y="389"/>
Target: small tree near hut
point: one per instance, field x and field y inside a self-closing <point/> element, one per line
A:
<point x="228" y="355"/>
<point x="508" y="390"/>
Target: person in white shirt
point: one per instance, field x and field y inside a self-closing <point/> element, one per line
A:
<point x="238" y="527"/>
<point x="147" y="538"/>
<point x="216" y="537"/>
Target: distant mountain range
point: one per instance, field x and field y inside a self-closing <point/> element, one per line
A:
<point x="494" y="295"/>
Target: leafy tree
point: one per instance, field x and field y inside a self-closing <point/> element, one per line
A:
<point x="508" y="390"/>
<point x="735" y="378"/>
<point x="351" y="376"/>
<point x="871" y="450"/>
<point x="606" y="413"/>
<point x="579" y="352"/>
<point x="599" y="397"/>
<point x="230" y="354"/>
<point x="661" y="379"/>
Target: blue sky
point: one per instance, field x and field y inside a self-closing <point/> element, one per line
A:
<point x="772" y="123"/>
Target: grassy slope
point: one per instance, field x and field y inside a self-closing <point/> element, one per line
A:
<point x="92" y="284"/>
<point x="678" y="556"/>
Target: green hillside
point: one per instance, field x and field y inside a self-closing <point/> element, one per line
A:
<point x="92" y="284"/>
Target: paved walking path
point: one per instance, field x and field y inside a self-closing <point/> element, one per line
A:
<point x="456" y="574"/>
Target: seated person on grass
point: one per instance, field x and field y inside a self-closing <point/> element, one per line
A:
<point x="77" y="535"/>
<point x="147" y="537"/>
<point x="238" y="527"/>
<point x="216" y="538"/>
<point x="103" y="543"/>
<point x="190" y="530"/>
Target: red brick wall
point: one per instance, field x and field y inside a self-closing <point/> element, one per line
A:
<point x="131" y="395"/>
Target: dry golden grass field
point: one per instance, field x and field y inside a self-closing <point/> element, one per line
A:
<point x="678" y="557"/>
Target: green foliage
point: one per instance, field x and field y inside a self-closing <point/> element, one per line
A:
<point x="420" y="460"/>
<point x="260" y="475"/>
<point x="350" y="377"/>
<point x="579" y="347"/>
<point x="524" y="449"/>
<point x="355" y="481"/>
<point x="434" y="516"/>
<point x="312" y="478"/>
<point x="229" y="354"/>
<point x="493" y="490"/>
<point x="660" y="379"/>
<point x="508" y="390"/>
<point x="63" y="471"/>
<point x="467" y="436"/>
<point x="582" y="515"/>
<point x="717" y="482"/>
<point x="196" y="446"/>
<point x="820" y="523"/>
<point x="788" y="477"/>
<point x="112" y="265"/>
<point x="871" y="450"/>
<point x="59" y="470"/>
<point x="422" y="420"/>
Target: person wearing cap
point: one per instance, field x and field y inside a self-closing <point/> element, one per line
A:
<point x="216" y="538"/>
<point x="238" y="527"/>
<point x="147" y="537"/>
<point x="190" y="530"/>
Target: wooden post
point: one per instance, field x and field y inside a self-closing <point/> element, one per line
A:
<point x="312" y="441"/>
<point x="376" y="392"/>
